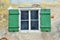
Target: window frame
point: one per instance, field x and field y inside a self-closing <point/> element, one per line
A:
<point x="29" y="11"/>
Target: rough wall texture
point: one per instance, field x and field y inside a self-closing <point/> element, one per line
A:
<point x="53" y="35"/>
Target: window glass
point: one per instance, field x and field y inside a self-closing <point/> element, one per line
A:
<point x="24" y="25"/>
<point x="34" y="25"/>
<point x="24" y="15"/>
<point x="34" y="14"/>
<point x="33" y="17"/>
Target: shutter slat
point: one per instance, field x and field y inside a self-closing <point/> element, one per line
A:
<point x="13" y="12"/>
<point x="13" y="29"/>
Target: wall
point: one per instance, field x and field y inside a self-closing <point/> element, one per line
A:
<point x="53" y="35"/>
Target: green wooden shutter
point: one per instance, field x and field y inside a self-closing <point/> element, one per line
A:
<point x="13" y="20"/>
<point x="45" y="20"/>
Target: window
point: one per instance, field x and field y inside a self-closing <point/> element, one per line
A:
<point x="34" y="14"/>
<point x="34" y="19"/>
<point x="24" y="15"/>
<point x="24" y="25"/>
<point x="29" y="19"/>
<point x="24" y="20"/>
<point x="34" y="25"/>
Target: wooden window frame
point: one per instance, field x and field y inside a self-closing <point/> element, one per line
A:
<point x="29" y="9"/>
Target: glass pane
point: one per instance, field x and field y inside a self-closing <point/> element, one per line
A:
<point x="24" y="25"/>
<point x="34" y="25"/>
<point x="24" y="15"/>
<point x="34" y="14"/>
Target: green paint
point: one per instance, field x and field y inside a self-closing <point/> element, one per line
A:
<point x="45" y="20"/>
<point x="13" y="29"/>
<point x="13" y="12"/>
<point x="45" y="29"/>
<point x="45" y="11"/>
<point x="13" y="21"/>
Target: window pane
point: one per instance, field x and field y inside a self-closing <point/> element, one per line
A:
<point x="34" y="25"/>
<point x="34" y="14"/>
<point x="24" y="25"/>
<point x="24" y="15"/>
